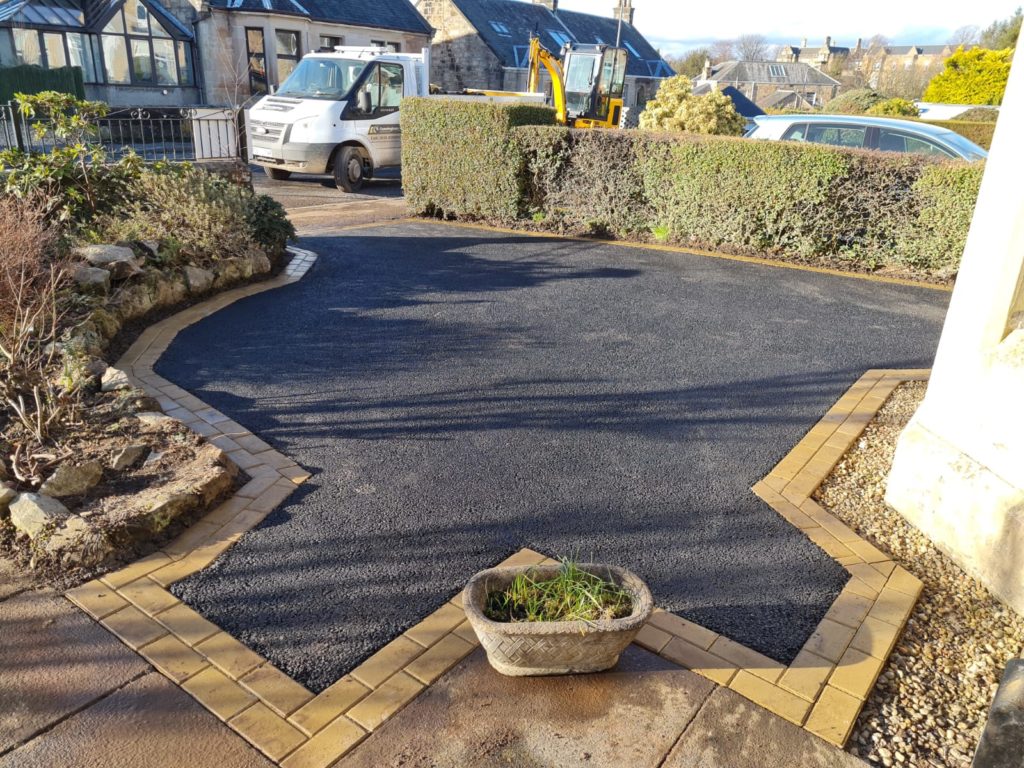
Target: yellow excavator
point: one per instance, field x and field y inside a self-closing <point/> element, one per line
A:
<point x="586" y="83"/>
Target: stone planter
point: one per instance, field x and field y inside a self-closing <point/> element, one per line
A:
<point x="556" y="647"/>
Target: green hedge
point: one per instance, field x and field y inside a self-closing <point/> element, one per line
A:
<point x="979" y="133"/>
<point x="458" y="157"/>
<point x="28" y="78"/>
<point x="801" y="202"/>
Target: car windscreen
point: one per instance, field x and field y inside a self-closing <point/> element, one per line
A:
<point x="317" y="78"/>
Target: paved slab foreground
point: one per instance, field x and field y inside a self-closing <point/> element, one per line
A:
<point x="648" y="713"/>
<point x="460" y="394"/>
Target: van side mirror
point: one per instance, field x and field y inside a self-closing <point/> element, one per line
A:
<point x="364" y="103"/>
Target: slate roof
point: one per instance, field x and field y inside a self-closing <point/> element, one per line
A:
<point x="507" y="25"/>
<point x="743" y="105"/>
<point x="399" y="15"/>
<point x="793" y="73"/>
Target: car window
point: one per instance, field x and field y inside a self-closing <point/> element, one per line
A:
<point x="894" y="141"/>
<point x="796" y="132"/>
<point x="842" y="136"/>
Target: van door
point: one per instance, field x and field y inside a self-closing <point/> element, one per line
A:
<point x="374" y="111"/>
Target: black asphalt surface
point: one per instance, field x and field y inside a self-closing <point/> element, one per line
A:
<point x="459" y="394"/>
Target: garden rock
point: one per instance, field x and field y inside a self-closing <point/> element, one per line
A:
<point x="169" y="509"/>
<point x="114" y="379"/>
<point x="259" y="261"/>
<point x="72" y="480"/>
<point x="91" y="278"/>
<point x="230" y="271"/>
<point x="135" y="301"/>
<point x="154" y="419"/>
<point x="6" y="497"/>
<point x="199" y="280"/>
<point x="79" y="543"/>
<point x="118" y="260"/>
<point x="33" y="513"/>
<point x="128" y="456"/>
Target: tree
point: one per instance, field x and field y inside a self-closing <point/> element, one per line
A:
<point x="675" y="108"/>
<point x="752" y="47"/>
<point x="977" y="76"/>
<point x="877" y="41"/>
<point x="1003" y="34"/>
<point x="965" y="36"/>
<point x="690" y="63"/>
<point x="723" y="50"/>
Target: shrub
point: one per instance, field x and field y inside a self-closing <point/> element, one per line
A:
<point x="894" y="108"/>
<point x="855" y="102"/>
<point x="979" y="115"/>
<point x="198" y="216"/>
<point x="72" y="182"/>
<point x="977" y="76"/>
<point x="458" y="157"/>
<point x="675" y="108"/>
<point x="934" y="240"/>
<point x="34" y="400"/>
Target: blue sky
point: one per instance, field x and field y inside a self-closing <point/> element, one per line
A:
<point x="678" y="25"/>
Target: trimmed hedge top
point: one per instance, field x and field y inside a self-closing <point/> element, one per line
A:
<point x="458" y="156"/>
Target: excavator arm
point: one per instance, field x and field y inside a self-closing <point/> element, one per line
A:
<point x="539" y="56"/>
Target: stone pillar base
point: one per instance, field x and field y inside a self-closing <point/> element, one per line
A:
<point x="972" y="514"/>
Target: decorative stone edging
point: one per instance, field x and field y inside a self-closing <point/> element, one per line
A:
<point x="823" y="690"/>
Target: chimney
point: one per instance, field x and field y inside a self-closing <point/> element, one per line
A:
<point x="706" y="72"/>
<point x="828" y="42"/>
<point x="803" y="43"/>
<point x="624" y="10"/>
<point x="860" y="45"/>
<point x="551" y="5"/>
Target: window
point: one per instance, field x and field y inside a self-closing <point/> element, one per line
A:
<point x="330" y="42"/>
<point x="393" y="47"/>
<point x="776" y="70"/>
<point x="384" y="85"/>
<point x="893" y="141"/>
<point x="288" y="53"/>
<point x="842" y="136"/>
<point x="319" y="78"/>
<point x="136" y="50"/>
<point x="501" y="29"/>
<point x="257" y="60"/>
<point x="559" y="37"/>
<point x="82" y="53"/>
<point x="26" y="46"/>
<point x="54" y="46"/>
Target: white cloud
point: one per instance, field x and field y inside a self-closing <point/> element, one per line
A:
<point x="675" y="25"/>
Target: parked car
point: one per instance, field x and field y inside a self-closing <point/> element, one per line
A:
<point x="885" y="134"/>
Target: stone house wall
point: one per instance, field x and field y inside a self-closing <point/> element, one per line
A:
<point x="459" y="58"/>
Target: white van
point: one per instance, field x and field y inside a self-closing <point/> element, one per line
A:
<point x="338" y="113"/>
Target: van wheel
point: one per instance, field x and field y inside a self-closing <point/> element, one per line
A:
<point x="349" y="169"/>
<point x="279" y="174"/>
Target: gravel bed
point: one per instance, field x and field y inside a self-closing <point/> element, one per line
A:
<point x="932" y="698"/>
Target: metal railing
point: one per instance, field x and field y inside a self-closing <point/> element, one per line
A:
<point x="174" y="135"/>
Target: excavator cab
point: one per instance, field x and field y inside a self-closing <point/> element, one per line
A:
<point x="594" y="77"/>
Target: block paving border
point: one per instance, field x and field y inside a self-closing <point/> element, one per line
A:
<point x="823" y="690"/>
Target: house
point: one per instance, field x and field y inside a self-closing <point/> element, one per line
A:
<point x="485" y="43"/>
<point x="744" y="106"/>
<point x="760" y="81"/>
<point x="828" y="58"/>
<point x="876" y="64"/>
<point x="169" y="53"/>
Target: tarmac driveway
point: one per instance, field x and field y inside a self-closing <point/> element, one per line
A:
<point x="459" y="394"/>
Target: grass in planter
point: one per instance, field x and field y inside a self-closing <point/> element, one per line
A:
<point x="572" y="595"/>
